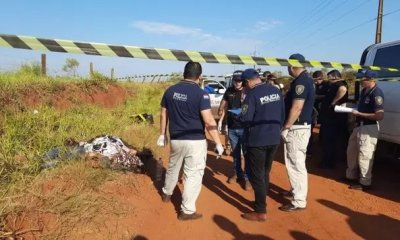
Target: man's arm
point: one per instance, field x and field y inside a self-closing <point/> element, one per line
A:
<point x="222" y="109"/>
<point x="211" y="125"/>
<point x="294" y="113"/>
<point x="340" y="93"/>
<point x="163" y="121"/>
<point x="377" y="116"/>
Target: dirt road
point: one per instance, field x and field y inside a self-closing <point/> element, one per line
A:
<point x="333" y="212"/>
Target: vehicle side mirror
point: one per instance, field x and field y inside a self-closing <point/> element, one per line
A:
<point x="221" y="91"/>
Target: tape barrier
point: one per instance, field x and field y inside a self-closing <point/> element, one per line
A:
<point x="102" y="49"/>
<point x="164" y="75"/>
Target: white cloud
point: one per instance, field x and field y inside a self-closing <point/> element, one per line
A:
<point x="171" y="29"/>
<point x="244" y="42"/>
<point x="262" y="26"/>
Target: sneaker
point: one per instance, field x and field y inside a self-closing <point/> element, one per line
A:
<point x="290" y="208"/>
<point x="232" y="179"/>
<point x="186" y="217"/>
<point x="288" y="195"/>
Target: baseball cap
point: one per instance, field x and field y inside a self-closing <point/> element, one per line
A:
<point x="297" y="56"/>
<point x="250" y="73"/>
<point x="366" y="73"/>
<point x="237" y="75"/>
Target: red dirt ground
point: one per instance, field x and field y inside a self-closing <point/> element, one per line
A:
<point x="334" y="211"/>
<point x="115" y="95"/>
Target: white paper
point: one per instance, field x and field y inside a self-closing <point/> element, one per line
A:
<point x="341" y="109"/>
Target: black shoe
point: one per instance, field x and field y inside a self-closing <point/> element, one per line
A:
<point x="166" y="198"/>
<point x="246" y="185"/>
<point x="290" y="208"/>
<point x="185" y="217"/>
<point x="348" y="180"/>
<point x="360" y="187"/>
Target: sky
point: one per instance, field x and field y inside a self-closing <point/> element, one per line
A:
<point x="325" y="30"/>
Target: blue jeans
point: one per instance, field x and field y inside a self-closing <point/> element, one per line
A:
<point x="236" y="140"/>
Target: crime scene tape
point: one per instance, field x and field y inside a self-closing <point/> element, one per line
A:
<point x="165" y="75"/>
<point x="102" y="49"/>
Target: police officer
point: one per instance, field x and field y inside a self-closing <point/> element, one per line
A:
<point x="321" y="88"/>
<point x="333" y="125"/>
<point x="263" y="116"/>
<point x="187" y="108"/>
<point x="363" y="140"/>
<point x="296" y="133"/>
<point x="231" y="100"/>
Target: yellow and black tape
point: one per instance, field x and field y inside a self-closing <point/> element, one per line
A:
<point x="165" y="75"/>
<point x="101" y="49"/>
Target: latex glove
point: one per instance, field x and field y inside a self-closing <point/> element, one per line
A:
<point x="220" y="149"/>
<point x="284" y="134"/>
<point x="220" y="126"/>
<point x="162" y="141"/>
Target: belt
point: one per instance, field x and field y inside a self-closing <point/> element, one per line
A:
<point x="362" y="123"/>
<point x="301" y="123"/>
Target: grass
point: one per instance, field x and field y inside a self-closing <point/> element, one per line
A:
<point x="26" y="136"/>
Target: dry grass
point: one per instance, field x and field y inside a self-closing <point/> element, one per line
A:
<point x="66" y="201"/>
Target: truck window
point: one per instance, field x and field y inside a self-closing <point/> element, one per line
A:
<point x="388" y="57"/>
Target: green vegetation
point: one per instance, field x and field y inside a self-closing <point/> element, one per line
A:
<point x="28" y="133"/>
<point x="71" y="66"/>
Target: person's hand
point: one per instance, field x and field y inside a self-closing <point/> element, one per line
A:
<point x="220" y="126"/>
<point x="284" y="134"/>
<point x="162" y="141"/>
<point x="220" y="149"/>
<point x="355" y="113"/>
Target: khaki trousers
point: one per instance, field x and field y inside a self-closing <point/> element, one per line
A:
<point x="295" y="161"/>
<point x="192" y="154"/>
<point x="360" y="153"/>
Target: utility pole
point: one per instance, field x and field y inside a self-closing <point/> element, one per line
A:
<point x="378" y="36"/>
<point x="43" y="64"/>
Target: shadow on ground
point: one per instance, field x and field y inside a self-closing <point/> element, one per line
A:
<point x="367" y="226"/>
<point x="230" y="227"/>
<point x="386" y="177"/>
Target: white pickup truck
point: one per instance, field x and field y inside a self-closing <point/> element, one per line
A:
<point x="387" y="55"/>
<point x="219" y="89"/>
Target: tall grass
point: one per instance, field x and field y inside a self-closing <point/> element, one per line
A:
<point x="27" y="135"/>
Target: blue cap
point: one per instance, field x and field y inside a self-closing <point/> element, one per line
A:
<point x="297" y="56"/>
<point x="250" y="73"/>
<point x="366" y="73"/>
<point x="237" y="75"/>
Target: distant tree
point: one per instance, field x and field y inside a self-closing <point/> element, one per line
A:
<point x="71" y="66"/>
<point x="30" y="69"/>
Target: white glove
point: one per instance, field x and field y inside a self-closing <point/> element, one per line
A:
<point x="284" y="134"/>
<point x="220" y="126"/>
<point x="162" y="141"/>
<point x="220" y="149"/>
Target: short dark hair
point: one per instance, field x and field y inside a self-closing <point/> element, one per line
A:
<point x="318" y="74"/>
<point x="335" y="73"/>
<point x="266" y="74"/>
<point x="192" y="71"/>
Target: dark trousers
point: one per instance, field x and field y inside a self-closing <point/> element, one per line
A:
<point x="333" y="140"/>
<point x="259" y="160"/>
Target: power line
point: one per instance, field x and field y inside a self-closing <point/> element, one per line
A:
<point x="304" y="20"/>
<point x="325" y="14"/>
<point x="336" y="19"/>
<point x="351" y="29"/>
